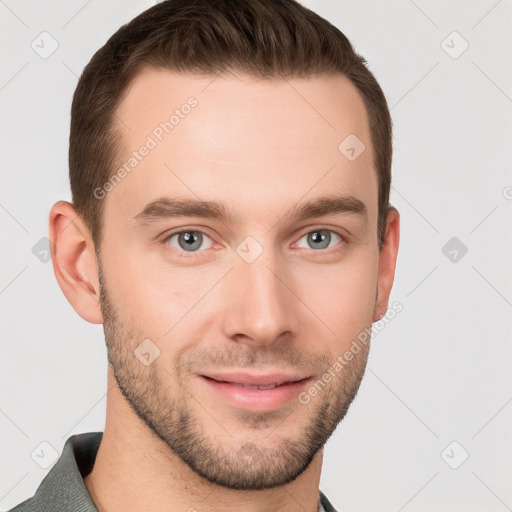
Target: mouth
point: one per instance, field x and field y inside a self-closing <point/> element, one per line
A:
<point x="262" y="386"/>
<point x="256" y="392"/>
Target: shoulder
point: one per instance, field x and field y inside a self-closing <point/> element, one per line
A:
<point x="29" y="505"/>
<point x="326" y="504"/>
<point x="63" y="487"/>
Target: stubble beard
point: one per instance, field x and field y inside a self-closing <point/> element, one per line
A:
<point x="250" y="465"/>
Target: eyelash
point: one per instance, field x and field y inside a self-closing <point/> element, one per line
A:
<point x="193" y="254"/>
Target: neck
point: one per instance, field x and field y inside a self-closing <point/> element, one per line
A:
<point x="135" y="470"/>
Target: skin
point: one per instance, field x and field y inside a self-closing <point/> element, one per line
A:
<point x="260" y="147"/>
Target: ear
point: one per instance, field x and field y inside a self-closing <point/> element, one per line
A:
<point x="387" y="263"/>
<point x="74" y="261"/>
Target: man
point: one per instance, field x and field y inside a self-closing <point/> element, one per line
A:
<point x="230" y="167"/>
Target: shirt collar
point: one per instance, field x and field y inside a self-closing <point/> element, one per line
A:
<point x="63" y="488"/>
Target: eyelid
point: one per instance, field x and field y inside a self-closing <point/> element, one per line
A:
<point x="322" y="227"/>
<point x="184" y="229"/>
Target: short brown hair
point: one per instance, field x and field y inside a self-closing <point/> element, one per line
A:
<point x="260" y="38"/>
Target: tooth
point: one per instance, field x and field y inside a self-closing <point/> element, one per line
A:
<point x="267" y="386"/>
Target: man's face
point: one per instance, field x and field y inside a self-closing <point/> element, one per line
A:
<point x="259" y="296"/>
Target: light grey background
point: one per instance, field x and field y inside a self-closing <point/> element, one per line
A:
<point x="438" y="373"/>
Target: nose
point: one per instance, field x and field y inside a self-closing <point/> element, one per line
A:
<point x="260" y="306"/>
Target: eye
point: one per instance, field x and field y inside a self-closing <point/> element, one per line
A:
<point x="319" y="239"/>
<point x="188" y="240"/>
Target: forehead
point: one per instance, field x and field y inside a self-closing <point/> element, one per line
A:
<point x="241" y="139"/>
<point x="330" y="103"/>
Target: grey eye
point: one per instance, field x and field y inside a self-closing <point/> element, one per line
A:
<point x="319" y="239"/>
<point x="189" y="241"/>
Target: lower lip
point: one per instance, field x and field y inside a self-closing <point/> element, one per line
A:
<point x="256" y="400"/>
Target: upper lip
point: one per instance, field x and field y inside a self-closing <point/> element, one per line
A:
<point x="255" y="379"/>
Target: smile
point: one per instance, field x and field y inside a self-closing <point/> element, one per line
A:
<point x="253" y="392"/>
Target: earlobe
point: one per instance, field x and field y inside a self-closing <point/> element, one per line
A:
<point x="387" y="262"/>
<point x="74" y="261"/>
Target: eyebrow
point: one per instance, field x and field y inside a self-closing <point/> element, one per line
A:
<point x="167" y="208"/>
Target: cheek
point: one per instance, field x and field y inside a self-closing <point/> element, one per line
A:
<point x="343" y="295"/>
<point x="158" y="299"/>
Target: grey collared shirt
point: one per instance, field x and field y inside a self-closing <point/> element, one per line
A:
<point x="63" y="488"/>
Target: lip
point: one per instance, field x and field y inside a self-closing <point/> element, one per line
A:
<point x="256" y="392"/>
